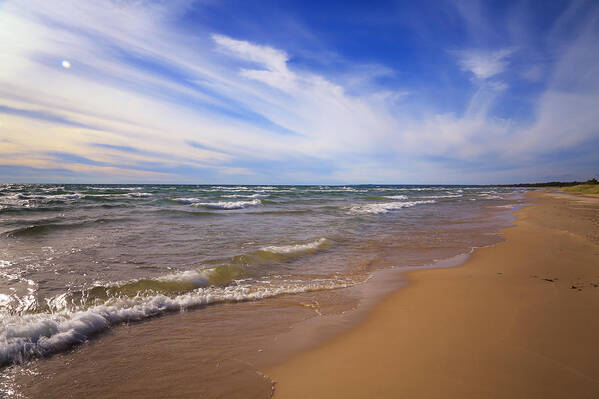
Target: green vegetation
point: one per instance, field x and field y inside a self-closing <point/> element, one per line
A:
<point x="589" y="184"/>
<point x="592" y="188"/>
<point x="588" y="187"/>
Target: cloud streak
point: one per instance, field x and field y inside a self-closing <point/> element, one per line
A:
<point x="484" y="64"/>
<point x="145" y="99"/>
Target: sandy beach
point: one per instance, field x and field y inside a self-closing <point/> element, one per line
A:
<point x="517" y="320"/>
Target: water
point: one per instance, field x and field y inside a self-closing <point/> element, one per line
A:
<point x="79" y="261"/>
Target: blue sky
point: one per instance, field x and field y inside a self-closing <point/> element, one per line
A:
<point x="266" y="92"/>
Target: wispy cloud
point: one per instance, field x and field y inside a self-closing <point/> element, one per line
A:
<point x="484" y="64"/>
<point x="148" y="99"/>
<point x="274" y="62"/>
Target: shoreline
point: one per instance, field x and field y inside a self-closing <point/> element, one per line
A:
<point x="314" y="332"/>
<point x="506" y="323"/>
<point x="122" y="350"/>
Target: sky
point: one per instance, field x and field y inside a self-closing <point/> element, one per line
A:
<point x="298" y="92"/>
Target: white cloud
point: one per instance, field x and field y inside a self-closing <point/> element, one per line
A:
<point x="246" y="104"/>
<point x="274" y="61"/>
<point x="484" y="64"/>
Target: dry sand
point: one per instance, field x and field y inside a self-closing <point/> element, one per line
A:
<point x="517" y="320"/>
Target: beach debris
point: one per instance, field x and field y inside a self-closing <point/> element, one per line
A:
<point x="551" y="280"/>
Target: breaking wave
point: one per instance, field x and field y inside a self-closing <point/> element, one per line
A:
<point x="376" y="208"/>
<point x="44" y="228"/>
<point x="225" y="205"/>
<point x="442" y="196"/>
<point x="298" y="248"/>
<point x="37" y="335"/>
<point x="139" y="195"/>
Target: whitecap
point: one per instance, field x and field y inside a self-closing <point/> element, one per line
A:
<point x="139" y="195"/>
<point x="442" y="196"/>
<point x="243" y="195"/>
<point x="297" y="248"/>
<point x="195" y="278"/>
<point x="226" y="205"/>
<point x="36" y="335"/>
<point x="376" y="208"/>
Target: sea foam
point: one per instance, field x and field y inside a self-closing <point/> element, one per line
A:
<point x="227" y="204"/>
<point x="298" y="248"/>
<point x="442" y="196"/>
<point x="384" y="207"/>
<point x="36" y="335"/>
<point x="139" y="195"/>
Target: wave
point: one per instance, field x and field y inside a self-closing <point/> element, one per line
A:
<point x="31" y="336"/>
<point x="298" y="248"/>
<point x="397" y="197"/>
<point x="44" y="228"/>
<point x="139" y="195"/>
<point x="257" y="195"/>
<point x="57" y="197"/>
<point x="215" y="276"/>
<point x="339" y="190"/>
<point x="106" y="197"/>
<point x="273" y="253"/>
<point x="28" y="209"/>
<point x="230" y="188"/>
<point x="365" y="209"/>
<point x="38" y="229"/>
<point x="442" y="196"/>
<point x="100" y="294"/>
<point x="185" y="213"/>
<point x="199" y="212"/>
<point x="169" y="284"/>
<point x="113" y="188"/>
<point x="225" y="205"/>
<point x="14" y="201"/>
<point x="38" y="197"/>
<point x="282" y="212"/>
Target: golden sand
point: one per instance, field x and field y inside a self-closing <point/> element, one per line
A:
<point x="517" y="320"/>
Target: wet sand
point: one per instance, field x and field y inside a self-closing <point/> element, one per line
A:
<point x="518" y="319"/>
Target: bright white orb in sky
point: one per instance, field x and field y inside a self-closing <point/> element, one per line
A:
<point x="65" y="64"/>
